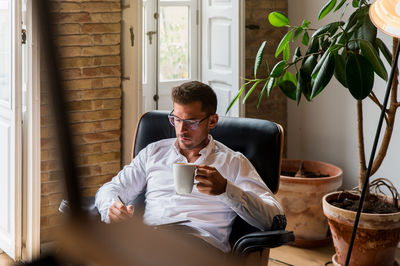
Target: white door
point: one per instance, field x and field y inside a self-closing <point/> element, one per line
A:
<point x="220" y="67"/>
<point x="10" y="128"/>
<point x="170" y="54"/>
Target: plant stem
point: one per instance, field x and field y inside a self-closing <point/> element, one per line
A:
<point x="362" y="167"/>
<point x="391" y="115"/>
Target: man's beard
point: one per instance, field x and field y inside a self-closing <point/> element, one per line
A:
<point x="193" y="146"/>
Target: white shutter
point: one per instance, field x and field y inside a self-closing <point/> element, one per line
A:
<point x="10" y="129"/>
<point x="220" y="51"/>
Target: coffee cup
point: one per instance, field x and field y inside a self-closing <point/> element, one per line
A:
<point x="184" y="177"/>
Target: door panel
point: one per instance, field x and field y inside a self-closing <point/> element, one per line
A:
<point x="171" y="56"/>
<point x="10" y="129"/>
<point x="220" y="51"/>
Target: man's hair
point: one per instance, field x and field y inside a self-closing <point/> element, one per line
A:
<point x="194" y="91"/>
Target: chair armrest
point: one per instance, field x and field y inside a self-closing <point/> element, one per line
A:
<point x="259" y="240"/>
<point x="87" y="206"/>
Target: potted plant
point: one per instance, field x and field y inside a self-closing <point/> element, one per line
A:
<point x="303" y="183"/>
<point x="350" y="51"/>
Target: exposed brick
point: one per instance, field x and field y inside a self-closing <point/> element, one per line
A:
<point x="101" y="137"/>
<point x="88" y="36"/>
<point x="112" y="82"/>
<point x="91" y="170"/>
<point x="74" y="40"/>
<point x="101" y="6"/>
<point x="110" y="168"/>
<point x="77" y="84"/>
<point x="67" y="29"/>
<point x="69" y="51"/>
<point x="89" y="148"/>
<point x="72" y="17"/>
<point x="101" y="28"/>
<point x="52" y="199"/>
<point x="110" y="146"/>
<point x="100" y="50"/>
<point x="98" y="83"/>
<point x="71" y="73"/>
<point x="95" y="115"/>
<point x="100" y="158"/>
<point x="95" y="180"/>
<point x="48" y="210"/>
<point x="107" y="39"/>
<point x="106" y="17"/>
<point x="50" y="187"/>
<point x="111" y="124"/>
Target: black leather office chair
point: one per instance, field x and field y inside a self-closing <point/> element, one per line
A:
<point x="261" y="141"/>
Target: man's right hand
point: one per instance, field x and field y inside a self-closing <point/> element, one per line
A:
<point x="119" y="212"/>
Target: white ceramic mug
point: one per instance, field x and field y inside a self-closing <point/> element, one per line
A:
<point x="184" y="177"/>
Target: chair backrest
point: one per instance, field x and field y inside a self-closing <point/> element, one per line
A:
<point x="261" y="141"/>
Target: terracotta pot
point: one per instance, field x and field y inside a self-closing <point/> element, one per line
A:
<point x="301" y="198"/>
<point x="377" y="234"/>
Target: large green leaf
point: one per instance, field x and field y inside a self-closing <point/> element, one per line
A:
<point x="308" y="67"/>
<point x="286" y="53"/>
<point x="313" y="47"/>
<point x="297" y="54"/>
<point x="278" y="69"/>
<point x="369" y="52"/>
<point x="259" y="58"/>
<point x="305" y="38"/>
<point x="251" y="90"/>
<point x="278" y="19"/>
<point x="367" y="31"/>
<point x="270" y="85"/>
<point x="299" y="87"/>
<point x="326" y="9"/>
<point x="320" y="63"/>
<point x="237" y="97"/>
<point x="385" y="51"/>
<point x="282" y="44"/>
<point x="288" y="85"/>
<point x="331" y="28"/>
<point x="359" y="76"/>
<point x="305" y="24"/>
<point x="324" y="75"/>
<point x="297" y="33"/>
<point x="262" y="93"/>
<point x="339" y="5"/>
<point x="340" y="69"/>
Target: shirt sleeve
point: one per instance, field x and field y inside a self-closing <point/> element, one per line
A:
<point x="127" y="184"/>
<point x="250" y="198"/>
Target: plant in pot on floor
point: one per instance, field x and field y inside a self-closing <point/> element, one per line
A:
<point x="350" y="51"/>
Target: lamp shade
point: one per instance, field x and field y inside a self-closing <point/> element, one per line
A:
<point x="385" y="14"/>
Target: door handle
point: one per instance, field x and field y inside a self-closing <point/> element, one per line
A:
<point x="150" y="35"/>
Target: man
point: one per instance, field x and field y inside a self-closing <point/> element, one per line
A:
<point x="228" y="185"/>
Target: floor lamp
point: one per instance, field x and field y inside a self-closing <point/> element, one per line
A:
<point x="385" y="14"/>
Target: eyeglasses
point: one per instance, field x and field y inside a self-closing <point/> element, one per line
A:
<point x="191" y="124"/>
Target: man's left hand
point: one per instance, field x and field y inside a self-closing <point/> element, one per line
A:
<point x="211" y="182"/>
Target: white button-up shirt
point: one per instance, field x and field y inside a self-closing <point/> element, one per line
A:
<point x="211" y="216"/>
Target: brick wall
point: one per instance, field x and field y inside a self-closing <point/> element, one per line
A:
<point x="274" y="107"/>
<point x="88" y="38"/>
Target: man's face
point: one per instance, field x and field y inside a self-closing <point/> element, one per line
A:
<point x="188" y="138"/>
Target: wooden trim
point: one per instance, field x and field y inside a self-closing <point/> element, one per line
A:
<point x="281" y="151"/>
<point x="31" y="167"/>
<point x="134" y="136"/>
